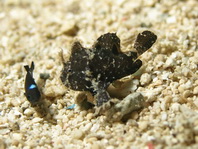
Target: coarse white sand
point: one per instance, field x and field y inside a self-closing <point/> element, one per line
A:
<point x="38" y="30"/>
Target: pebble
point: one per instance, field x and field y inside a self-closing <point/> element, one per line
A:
<point x="143" y="125"/>
<point x="17" y="136"/>
<point x="15" y="142"/>
<point x="163" y="106"/>
<point x="77" y="134"/>
<point x="110" y="147"/>
<point x="168" y="99"/>
<point x="195" y="130"/>
<point x="60" y="106"/>
<point x="159" y="58"/>
<point x="175" y="107"/>
<point x="37" y="120"/>
<point x="95" y="146"/>
<point x="145" y="79"/>
<point x="68" y="131"/>
<point x="195" y="90"/>
<point x="44" y="76"/>
<point x="164" y="116"/>
<point x="196" y="82"/>
<point x="88" y="127"/>
<point x="131" y="123"/>
<point x="28" y="112"/>
<point x="25" y="105"/>
<point x="95" y="127"/>
<point x="79" y="118"/>
<point x="2" y="144"/>
<point x="169" y="63"/>
<point x="53" y="91"/>
<point x="181" y="88"/>
<point x="134" y="115"/>
<point x="186" y="93"/>
<point x="49" y="64"/>
<point x="185" y="71"/>
<point x="69" y="29"/>
<point x="83" y="113"/>
<point x="89" y="116"/>
<point x="92" y="140"/>
<point x="14" y="126"/>
<point x="132" y="102"/>
<point x="16" y="102"/>
<point x="130" y="138"/>
<point x="171" y="19"/>
<point x="1" y="97"/>
<point x="196" y="139"/>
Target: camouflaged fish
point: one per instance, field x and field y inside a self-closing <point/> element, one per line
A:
<point x="96" y="68"/>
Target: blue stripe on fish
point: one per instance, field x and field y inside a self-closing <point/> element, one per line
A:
<point x="32" y="86"/>
<point x="71" y="107"/>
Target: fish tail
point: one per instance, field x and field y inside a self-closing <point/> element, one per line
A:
<point x="32" y="66"/>
<point x="29" y="69"/>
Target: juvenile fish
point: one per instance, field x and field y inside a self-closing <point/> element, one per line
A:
<point x="94" y="69"/>
<point x="32" y="92"/>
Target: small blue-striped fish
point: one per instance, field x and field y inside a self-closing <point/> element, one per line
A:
<point x="32" y="92"/>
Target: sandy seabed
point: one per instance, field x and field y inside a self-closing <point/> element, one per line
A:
<point x="38" y="30"/>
